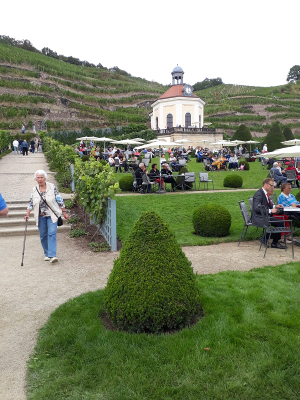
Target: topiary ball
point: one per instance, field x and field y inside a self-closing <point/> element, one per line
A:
<point x="245" y="163"/>
<point x="152" y="287"/>
<point x="233" y="181"/>
<point x="211" y="220"/>
<point x="126" y="182"/>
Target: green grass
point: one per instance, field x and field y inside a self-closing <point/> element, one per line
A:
<point x="177" y="209"/>
<point x="251" y="326"/>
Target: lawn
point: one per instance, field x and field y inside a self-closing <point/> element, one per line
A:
<point x="252" y="179"/>
<point x="247" y="346"/>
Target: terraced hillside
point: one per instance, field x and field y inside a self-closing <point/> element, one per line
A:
<point x="228" y="106"/>
<point x="57" y="95"/>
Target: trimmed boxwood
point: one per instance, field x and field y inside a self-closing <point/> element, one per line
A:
<point x="152" y="287"/>
<point x="233" y="181"/>
<point x="126" y="182"/>
<point x="211" y="220"/>
<point x="245" y="163"/>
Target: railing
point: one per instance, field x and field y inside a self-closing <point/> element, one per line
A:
<point x="109" y="226"/>
<point x="187" y="130"/>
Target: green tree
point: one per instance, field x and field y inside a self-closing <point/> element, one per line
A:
<point x="242" y="133"/>
<point x="294" y="74"/>
<point x="274" y="137"/>
<point x="288" y="134"/>
<point x="206" y="83"/>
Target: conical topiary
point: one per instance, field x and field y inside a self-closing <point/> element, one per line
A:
<point x="152" y="287"/>
<point x="242" y="133"/>
<point x="288" y="134"/>
<point x="274" y="137"/>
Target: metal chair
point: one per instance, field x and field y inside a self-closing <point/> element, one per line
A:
<point x="134" y="184"/>
<point x="269" y="229"/>
<point x="291" y="178"/>
<point x="247" y="220"/>
<point x="117" y="165"/>
<point x="189" y="178"/>
<point x="182" y="162"/>
<point x="263" y="162"/>
<point x="204" y="178"/>
<point x="146" y="162"/>
<point x="146" y="181"/>
<point x="251" y="203"/>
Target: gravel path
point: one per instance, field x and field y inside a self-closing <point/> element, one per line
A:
<point x="29" y="294"/>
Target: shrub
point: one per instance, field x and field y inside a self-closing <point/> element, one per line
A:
<point x="298" y="196"/>
<point x="274" y="137"/>
<point x="287" y="133"/>
<point x="211" y="220"/>
<point x="245" y="163"/>
<point x="233" y="181"/>
<point x="85" y="158"/>
<point x="126" y="182"/>
<point x="152" y="287"/>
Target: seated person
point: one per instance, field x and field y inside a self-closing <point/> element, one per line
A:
<point x="154" y="175"/>
<point x="111" y="160"/>
<point x="286" y="199"/>
<point x="220" y="162"/>
<point x="163" y="159"/>
<point x="278" y="177"/>
<point x="262" y="198"/>
<point x="169" y="179"/>
<point x="291" y="167"/>
<point x="139" y="180"/>
<point x="281" y="169"/>
<point x="174" y="163"/>
<point x="123" y="162"/>
<point x="200" y="155"/>
<point x="233" y="162"/>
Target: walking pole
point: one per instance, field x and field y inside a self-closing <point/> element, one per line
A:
<point x="24" y="241"/>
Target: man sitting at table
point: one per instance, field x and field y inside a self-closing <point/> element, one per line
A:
<point x="286" y="199"/>
<point x="262" y="198"/>
<point x="168" y="179"/>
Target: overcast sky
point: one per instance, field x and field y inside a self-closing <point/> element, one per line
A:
<point x="246" y="43"/>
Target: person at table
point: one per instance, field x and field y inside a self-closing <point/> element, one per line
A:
<point x="287" y="199"/>
<point x="111" y="160"/>
<point x="174" y="163"/>
<point x="262" y="198"/>
<point x="233" y="162"/>
<point x="168" y="178"/>
<point x="134" y="162"/>
<point x="154" y="175"/>
<point x="123" y="162"/>
<point x="291" y="167"/>
<point x="163" y="159"/>
<point x="278" y="177"/>
<point x="140" y="171"/>
<point x="219" y="162"/>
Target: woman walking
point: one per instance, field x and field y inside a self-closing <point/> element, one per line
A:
<point x="47" y="205"/>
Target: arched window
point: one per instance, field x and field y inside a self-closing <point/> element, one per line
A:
<point x="188" y="120"/>
<point x="200" y="122"/>
<point x="170" y="120"/>
<point x="156" y="122"/>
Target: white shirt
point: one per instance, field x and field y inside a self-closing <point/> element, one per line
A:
<point x="15" y="143"/>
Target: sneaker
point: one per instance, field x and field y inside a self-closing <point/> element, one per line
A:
<point x="53" y="259"/>
<point x="47" y="259"/>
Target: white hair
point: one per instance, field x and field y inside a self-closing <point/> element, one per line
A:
<point x="275" y="164"/>
<point x="141" y="164"/>
<point x="40" y="172"/>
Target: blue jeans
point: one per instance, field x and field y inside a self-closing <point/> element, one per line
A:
<point x="16" y="150"/>
<point x="48" y="236"/>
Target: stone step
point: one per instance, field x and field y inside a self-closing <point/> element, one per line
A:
<point x="17" y="214"/>
<point x="17" y="207"/>
<point x="31" y="230"/>
<point x="7" y="222"/>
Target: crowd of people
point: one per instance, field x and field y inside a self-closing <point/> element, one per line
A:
<point x="22" y="147"/>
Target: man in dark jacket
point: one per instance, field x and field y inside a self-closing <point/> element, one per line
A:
<point x="261" y="197"/>
<point x="140" y="171"/>
<point x="167" y="176"/>
<point x="25" y="148"/>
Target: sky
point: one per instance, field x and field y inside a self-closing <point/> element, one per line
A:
<point x="244" y="43"/>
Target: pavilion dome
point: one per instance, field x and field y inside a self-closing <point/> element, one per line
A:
<point x="177" y="69"/>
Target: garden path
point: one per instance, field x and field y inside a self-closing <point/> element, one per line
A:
<point x="29" y="294"/>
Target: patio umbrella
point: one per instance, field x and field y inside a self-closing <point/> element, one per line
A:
<point x="291" y="142"/>
<point x="139" y="139"/>
<point x="236" y="142"/>
<point x="104" y="139"/>
<point x="160" y="144"/>
<point x="250" y="142"/>
<point x="293" y="151"/>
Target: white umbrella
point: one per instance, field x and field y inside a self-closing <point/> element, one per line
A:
<point x="250" y="142"/>
<point x="104" y="139"/>
<point x="139" y="139"/>
<point x="207" y="123"/>
<point x="291" y="142"/>
<point x="293" y="151"/>
<point x="127" y="141"/>
<point x="159" y="144"/>
<point x="236" y="142"/>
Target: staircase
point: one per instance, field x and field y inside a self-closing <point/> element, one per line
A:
<point x="14" y="224"/>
